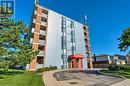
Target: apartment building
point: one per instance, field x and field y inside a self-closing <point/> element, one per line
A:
<point x="61" y="41"/>
<point x="105" y="60"/>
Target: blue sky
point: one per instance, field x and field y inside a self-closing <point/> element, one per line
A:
<point x="106" y="18"/>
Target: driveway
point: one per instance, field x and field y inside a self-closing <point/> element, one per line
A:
<point x="79" y="78"/>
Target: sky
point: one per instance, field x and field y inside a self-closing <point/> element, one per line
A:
<point x="106" y="19"/>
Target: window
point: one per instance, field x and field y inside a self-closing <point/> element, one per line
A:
<point x="72" y="24"/>
<point x="64" y="30"/>
<point x="84" y="28"/>
<point x="33" y="25"/>
<point x="44" y="11"/>
<point x="41" y="37"/>
<point x="44" y="19"/>
<point x="64" y="42"/>
<point x="42" y="28"/>
<point x="40" y="60"/>
<point x="68" y="23"/>
<point x="36" y="8"/>
<point x="73" y="49"/>
<point x="86" y="40"/>
<point x="34" y="16"/>
<point x="41" y="48"/>
<point x="84" y="33"/>
<point x="64" y="51"/>
<point x="32" y="35"/>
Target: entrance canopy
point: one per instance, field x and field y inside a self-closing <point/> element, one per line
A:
<point x="76" y="56"/>
<point x="75" y="61"/>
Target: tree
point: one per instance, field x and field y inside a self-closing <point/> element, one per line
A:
<point x="124" y="40"/>
<point x="13" y="50"/>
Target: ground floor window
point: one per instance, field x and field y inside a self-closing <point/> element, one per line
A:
<point x="40" y="60"/>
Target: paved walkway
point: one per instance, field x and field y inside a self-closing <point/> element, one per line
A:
<point x="123" y="83"/>
<point x="49" y="80"/>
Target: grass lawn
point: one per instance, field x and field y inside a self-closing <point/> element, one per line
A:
<point x="25" y="78"/>
<point x="126" y="74"/>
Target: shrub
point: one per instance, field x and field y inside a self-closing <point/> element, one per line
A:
<point x="46" y="69"/>
<point x="11" y="72"/>
<point x="119" y="67"/>
<point x="53" y="67"/>
<point x="104" y="70"/>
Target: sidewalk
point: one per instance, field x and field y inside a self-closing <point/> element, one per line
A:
<point x="49" y="80"/>
<point x="123" y="83"/>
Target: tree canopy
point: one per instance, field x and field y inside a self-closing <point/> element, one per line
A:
<point x="13" y="50"/>
<point x="124" y="40"/>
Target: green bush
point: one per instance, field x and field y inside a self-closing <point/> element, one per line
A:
<point x="11" y="72"/>
<point x="53" y="67"/>
<point x="119" y="68"/>
<point x="46" y="69"/>
<point x="125" y="67"/>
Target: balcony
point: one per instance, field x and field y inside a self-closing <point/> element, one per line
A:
<point x="44" y="15"/>
<point x="86" y="43"/>
<point x="31" y="40"/>
<point x="85" y="30"/>
<point x="32" y="30"/>
<point x="85" y="38"/>
<point x="42" y="32"/>
<point x="34" y="20"/>
<point x="39" y="66"/>
<point x="41" y="53"/>
<point x="42" y="42"/>
<point x="35" y="12"/>
<point x="43" y="23"/>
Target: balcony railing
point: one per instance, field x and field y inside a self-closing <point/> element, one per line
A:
<point x="41" y="53"/>
<point x="43" y="23"/>
<point x="35" y="12"/>
<point x="42" y="32"/>
<point x="34" y="20"/>
<point x="44" y="15"/>
<point x="31" y="40"/>
<point x="32" y="30"/>
<point x="42" y="42"/>
<point x="39" y="66"/>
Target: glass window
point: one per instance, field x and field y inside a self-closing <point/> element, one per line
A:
<point x="40" y="60"/>
<point x="44" y="11"/>
<point x="33" y="25"/>
<point x="84" y="33"/>
<point x="42" y="37"/>
<point x="72" y="24"/>
<point x="84" y="28"/>
<point x="32" y="35"/>
<point x="42" y="27"/>
<point x="34" y="16"/>
<point x="64" y="51"/>
<point x="44" y="19"/>
<point x="41" y="48"/>
<point x="36" y="8"/>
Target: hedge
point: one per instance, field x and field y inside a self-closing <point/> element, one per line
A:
<point x="119" y="67"/>
<point x="46" y="69"/>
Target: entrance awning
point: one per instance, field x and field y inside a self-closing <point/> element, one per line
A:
<point x="76" y="56"/>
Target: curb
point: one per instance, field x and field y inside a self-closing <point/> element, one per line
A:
<point x="108" y="74"/>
